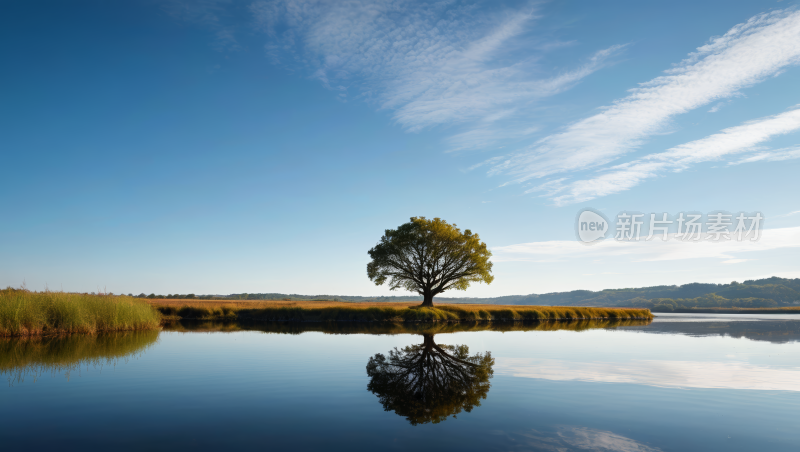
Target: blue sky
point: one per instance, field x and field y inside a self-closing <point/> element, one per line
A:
<point x="223" y="146"/>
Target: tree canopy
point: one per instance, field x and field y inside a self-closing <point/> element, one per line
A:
<point x="429" y="257"/>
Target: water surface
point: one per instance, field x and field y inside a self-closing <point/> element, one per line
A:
<point x="681" y="383"/>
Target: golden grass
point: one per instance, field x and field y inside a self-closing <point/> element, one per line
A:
<point x="27" y="313"/>
<point x="320" y="311"/>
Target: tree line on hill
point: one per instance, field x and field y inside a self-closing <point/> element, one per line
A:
<point x="170" y="296"/>
<point x="781" y="291"/>
<point x="763" y="293"/>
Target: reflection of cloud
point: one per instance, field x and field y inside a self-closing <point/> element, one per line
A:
<point x="644" y="251"/>
<point x="669" y="374"/>
<point x="581" y="438"/>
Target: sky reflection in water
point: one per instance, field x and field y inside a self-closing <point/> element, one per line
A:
<point x="669" y="385"/>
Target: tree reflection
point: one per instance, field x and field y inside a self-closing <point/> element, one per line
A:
<point x="429" y="382"/>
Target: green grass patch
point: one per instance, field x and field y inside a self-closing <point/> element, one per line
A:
<point x="26" y="313"/>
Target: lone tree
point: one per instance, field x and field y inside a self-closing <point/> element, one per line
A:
<point x="429" y="257"/>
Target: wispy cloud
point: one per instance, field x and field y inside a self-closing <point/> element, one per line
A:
<point x="718" y="106"/>
<point x="734" y="140"/>
<point x="447" y="63"/>
<point x="745" y="55"/>
<point x="210" y="14"/>
<point x="646" y="251"/>
<point x="787" y="214"/>
<point x="430" y="63"/>
<point x="776" y="155"/>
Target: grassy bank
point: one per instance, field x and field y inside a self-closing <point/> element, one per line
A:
<point x="315" y="311"/>
<point x="26" y="313"/>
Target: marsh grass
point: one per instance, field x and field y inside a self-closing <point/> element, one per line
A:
<point x="33" y="356"/>
<point x="389" y="312"/>
<point x="27" y="313"/>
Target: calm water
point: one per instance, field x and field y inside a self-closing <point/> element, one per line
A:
<point x="681" y="383"/>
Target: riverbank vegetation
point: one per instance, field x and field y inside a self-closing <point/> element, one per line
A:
<point x="27" y="313"/>
<point x="323" y="311"/>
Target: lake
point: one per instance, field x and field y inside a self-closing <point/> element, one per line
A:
<point x="681" y="383"/>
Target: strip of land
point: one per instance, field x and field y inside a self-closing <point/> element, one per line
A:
<point x="326" y="311"/>
<point x="27" y="313"/>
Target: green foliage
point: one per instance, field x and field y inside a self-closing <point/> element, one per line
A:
<point x="706" y="301"/>
<point x="24" y="313"/>
<point x="429" y="257"/>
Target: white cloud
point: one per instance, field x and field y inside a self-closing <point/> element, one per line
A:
<point x="745" y="55"/>
<point x="787" y="214"/>
<point x="733" y="140"/>
<point x="645" y="251"/>
<point x="430" y="63"/>
<point x="718" y="106"/>
<point x="771" y="156"/>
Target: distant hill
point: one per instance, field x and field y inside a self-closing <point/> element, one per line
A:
<point x="769" y="292"/>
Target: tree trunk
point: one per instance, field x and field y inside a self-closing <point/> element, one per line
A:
<point x="427" y="300"/>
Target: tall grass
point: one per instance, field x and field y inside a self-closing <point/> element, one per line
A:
<point x="446" y="313"/>
<point x="27" y="313"/>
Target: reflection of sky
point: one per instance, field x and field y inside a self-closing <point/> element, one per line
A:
<point x="308" y="392"/>
<point x="635" y="357"/>
<point x="670" y="317"/>
<point x="680" y="374"/>
<point x="577" y="438"/>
